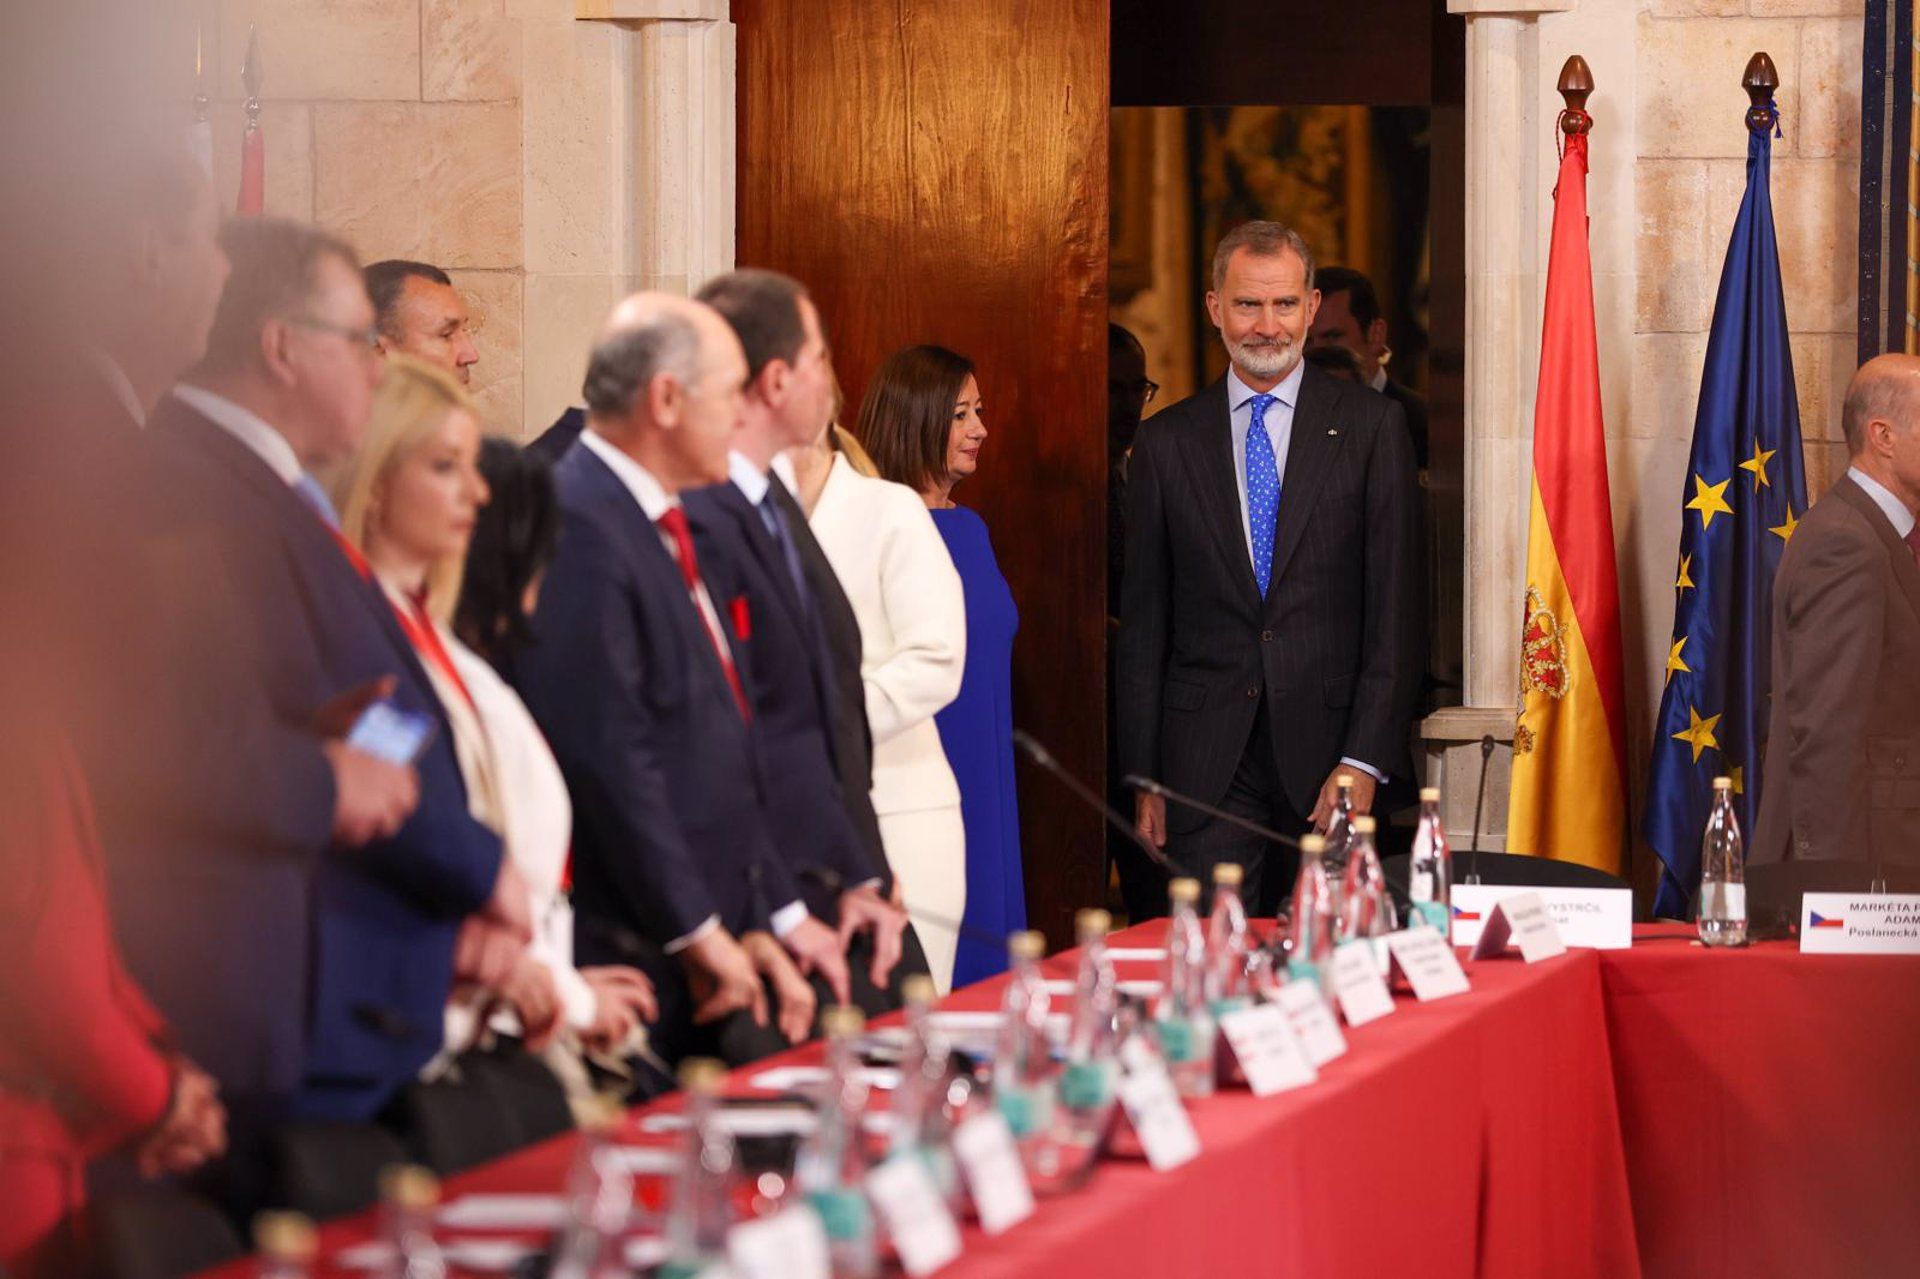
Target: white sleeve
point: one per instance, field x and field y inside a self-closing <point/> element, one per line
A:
<point x="927" y="611"/>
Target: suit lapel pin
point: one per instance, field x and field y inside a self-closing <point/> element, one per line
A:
<point x="1332" y="431"/>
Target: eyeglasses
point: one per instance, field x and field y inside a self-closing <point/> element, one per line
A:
<point x="368" y="337"/>
<point x="1146" y="388"/>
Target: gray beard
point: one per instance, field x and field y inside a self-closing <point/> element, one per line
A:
<point x="1264" y="362"/>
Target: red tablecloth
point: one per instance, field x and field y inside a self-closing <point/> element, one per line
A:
<point x="1473" y="1136"/>
<point x="1770" y="1103"/>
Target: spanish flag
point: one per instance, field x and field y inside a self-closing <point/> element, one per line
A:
<point x="1569" y="795"/>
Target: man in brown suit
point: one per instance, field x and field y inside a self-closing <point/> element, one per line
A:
<point x="1843" y="765"/>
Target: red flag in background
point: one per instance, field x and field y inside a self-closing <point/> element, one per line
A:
<point x="253" y="144"/>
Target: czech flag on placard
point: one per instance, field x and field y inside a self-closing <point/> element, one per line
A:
<point x="1471" y="916"/>
<point x="1821" y="921"/>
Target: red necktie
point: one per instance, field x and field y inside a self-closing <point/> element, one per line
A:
<point x="675" y="524"/>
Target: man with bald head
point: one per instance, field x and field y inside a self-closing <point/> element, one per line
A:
<point x="1843" y="762"/>
<point x="635" y="683"/>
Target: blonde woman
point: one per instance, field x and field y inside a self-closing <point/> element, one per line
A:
<point x="410" y="501"/>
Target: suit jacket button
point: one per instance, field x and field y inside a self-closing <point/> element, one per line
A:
<point x="1252" y="692"/>
<point x="1266" y="637"/>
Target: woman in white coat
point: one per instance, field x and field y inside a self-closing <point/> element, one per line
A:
<point x="895" y="569"/>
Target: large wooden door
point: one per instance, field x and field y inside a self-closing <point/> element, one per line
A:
<point x="937" y="172"/>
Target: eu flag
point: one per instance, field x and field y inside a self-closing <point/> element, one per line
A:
<point x="1745" y="490"/>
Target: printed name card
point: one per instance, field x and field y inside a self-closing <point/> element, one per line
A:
<point x="1154" y="1109"/>
<point x="996" y="1179"/>
<point x="1426" y="957"/>
<point x="916" y="1216"/>
<point x="1314" y="1024"/>
<point x="1269" y="1054"/>
<point x="790" y="1244"/>
<point x="1523" y="919"/>
<point x="1859" y="924"/>
<point x="1599" y="918"/>
<point x="1357" y="984"/>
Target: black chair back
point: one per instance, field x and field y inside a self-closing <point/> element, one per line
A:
<point x="1774" y="889"/>
<point x="526" y="1092"/>
<point x="1508" y="868"/>
<point x="159" y="1232"/>
<point x="329" y="1170"/>
<point x="490" y="1104"/>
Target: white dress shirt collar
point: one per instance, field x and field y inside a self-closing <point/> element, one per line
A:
<point x="649" y="492"/>
<point x="1892" y="507"/>
<point x="748" y="478"/>
<point x="1379" y="379"/>
<point x="119" y="384"/>
<point x="783" y="468"/>
<point x="246" y="426"/>
<point x="1287" y="392"/>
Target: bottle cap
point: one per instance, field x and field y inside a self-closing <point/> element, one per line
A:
<point x="1365" y="825"/>
<point x="409" y="1186"/>
<point x="1184" y="891"/>
<point x="1027" y="945"/>
<point x="1344" y="780"/>
<point x="703" y="1076"/>
<point x="1429" y="794"/>
<point x="1228" y="874"/>
<point x="1723" y="783"/>
<point x="285" y="1236"/>
<point x="1091" y="923"/>
<point x="919" y="989"/>
<point x="842" y="1021"/>
<point x="1313" y="845"/>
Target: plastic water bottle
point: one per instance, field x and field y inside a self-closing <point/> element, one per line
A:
<point x="1181" y="1020"/>
<point x="1339" y="837"/>
<point x="1723" y="873"/>
<point x="1311" y="927"/>
<point x="408" y="1196"/>
<point x="1022" y="1060"/>
<point x="1087" y="1081"/>
<point x="599" y="1204"/>
<point x="701" y="1210"/>
<point x="287" y="1244"/>
<point x="1430" y="871"/>
<point x="831" y="1169"/>
<point x="1227" y="985"/>
<point x="1365" y="908"/>
<point x="922" y="1120"/>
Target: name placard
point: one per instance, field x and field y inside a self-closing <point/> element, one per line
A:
<point x="790" y="1244"/>
<point x="1314" y="1024"/>
<point x="1154" y="1108"/>
<point x="1426" y="957"/>
<point x="1600" y="918"/>
<point x="1269" y="1054"/>
<point x="996" y="1179"/>
<point x="1524" y="920"/>
<point x="1358" y="984"/>
<point x="1860" y="924"/>
<point x="916" y="1216"/>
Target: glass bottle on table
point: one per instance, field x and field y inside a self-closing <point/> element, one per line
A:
<point x="599" y="1198"/>
<point x="1365" y="908"/>
<point x="1339" y="836"/>
<point x="831" y="1170"/>
<point x="922" y="1122"/>
<point x="1023" y="1081"/>
<point x="1092" y="1058"/>
<point x="1430" y="870"/>
<point x="287" y="1243"/>
<point x="1312" y="922"/>
<point x="1723" y="873"/>
<point x="1181" y="1019"/>
<point x="1228" y="988"/>
<point x="408" y="1197"/>
<point x="701" y="1210"/>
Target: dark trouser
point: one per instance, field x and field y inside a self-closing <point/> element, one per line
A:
<point x="1200" y="843"/>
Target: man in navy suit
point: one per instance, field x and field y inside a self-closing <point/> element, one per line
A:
<point x="320" y="978"/>
<point x="637" y="683"/>
<point x="752" y="530"/>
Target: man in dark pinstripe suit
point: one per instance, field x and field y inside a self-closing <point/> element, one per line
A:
<point x="1269" y="621"/>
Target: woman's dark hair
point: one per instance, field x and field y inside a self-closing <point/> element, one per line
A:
<point x="906" y="419"/>
<point x="513" y="542"/>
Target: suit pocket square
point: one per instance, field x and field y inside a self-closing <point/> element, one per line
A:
<point x="742" y="619"/>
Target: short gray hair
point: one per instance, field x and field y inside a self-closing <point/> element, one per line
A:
<point x="625" y="362"/>
<point x="1263" y="240"/>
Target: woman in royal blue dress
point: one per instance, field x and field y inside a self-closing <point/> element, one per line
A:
<point x="922" y="423"/>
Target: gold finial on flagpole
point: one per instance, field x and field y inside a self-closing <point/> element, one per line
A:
<point x="1761" y="79"/>
<point x="1576" y="85"/>
<point x="250" y="77"/>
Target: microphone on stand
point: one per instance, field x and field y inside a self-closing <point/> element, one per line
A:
<point x="1152" y="787"/>
<point x="1044" y="758"/>
<point x="1487" y="745"/>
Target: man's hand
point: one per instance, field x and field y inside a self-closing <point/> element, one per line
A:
<point x="486" y="954"/>
<point x="1364" y="786"/>
<point x="623" y="998"/>
<point x="723" y="979"/>
<point x="535" y="999"/>
<point x="193" y="1130"/>
<point x="1150" y="818"/>
<point x="511" y="906"/>
<point x="794" y="996"/>
<point x="864" y="910"/>
<point x="817" y="949"/>
<point x="372" y="799"/>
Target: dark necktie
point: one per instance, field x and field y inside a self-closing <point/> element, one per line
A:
<point x="777" y="528"/>
<point x="674" y="522"/>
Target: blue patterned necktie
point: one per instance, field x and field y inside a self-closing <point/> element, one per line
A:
<point x="1263" y="492"/>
